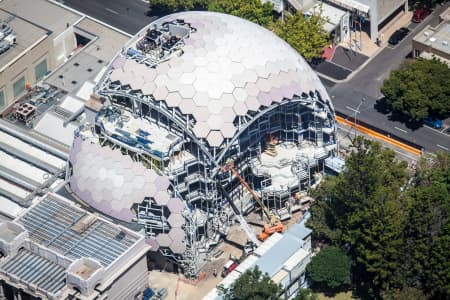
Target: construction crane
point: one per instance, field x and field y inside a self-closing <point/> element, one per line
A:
<point x="274" y="224"/>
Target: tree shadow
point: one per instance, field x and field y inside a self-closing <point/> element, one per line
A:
<point x="383" y="107"/>
<point x="402" y="118"/>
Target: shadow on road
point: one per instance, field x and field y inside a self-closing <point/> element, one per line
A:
<point x="385" y="108"/>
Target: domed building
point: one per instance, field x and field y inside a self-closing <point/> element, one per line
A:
<point x="187" y="95"/>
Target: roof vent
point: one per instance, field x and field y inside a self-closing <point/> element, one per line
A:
<point x="445" y="43"/>
<point x="432" y="39"/>
<point x="426" y="33"/>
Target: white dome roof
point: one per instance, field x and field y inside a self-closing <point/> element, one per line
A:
<point x="229" y="67"/>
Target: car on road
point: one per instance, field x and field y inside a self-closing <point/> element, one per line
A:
<point x="432" y="122"/>
<point x="421" y="12"/>
<point x="398" y="35"/>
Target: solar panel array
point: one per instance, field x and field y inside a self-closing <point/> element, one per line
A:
<point x="50" y="223"/>
<point x="230" y="67"/>
<point x="36" y="270"/>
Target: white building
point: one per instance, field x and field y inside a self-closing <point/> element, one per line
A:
<point x="283" y="257"/>
<point x="56" y="250"/>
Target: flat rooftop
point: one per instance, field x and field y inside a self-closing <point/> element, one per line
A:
<point x="436" y="37"/>
<point x="60" y="226"/>
<point x="26" y="34"/>
<point x="108" y="42"/>
<point x="42" y="13"/>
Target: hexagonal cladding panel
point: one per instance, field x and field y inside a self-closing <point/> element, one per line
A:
<point x="162" y="197"/>
<point x="176" y="220"/>
<point x="177" y="234"/>
<point x="154" y="246"/>
<point x="163" y="240"/>
<point x="215" y="138"/>
<point x="178" y="247"/>
<point x="175" y="205"/>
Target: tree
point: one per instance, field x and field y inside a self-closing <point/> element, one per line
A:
<point x="367" y="209"/>
<point x="252" y="285"/>
<point x="252" y="10"/>
<point x="330" y="270"/>
<point x="306" y="35"/>
<point x="178" y="5"/>
<point x="409" y="293"/>
<point x="306" y="294"/>
<point x="427" y="255"/>
<point x="419" y="89"/>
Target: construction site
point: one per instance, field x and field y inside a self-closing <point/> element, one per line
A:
<point x="208" y="122"/>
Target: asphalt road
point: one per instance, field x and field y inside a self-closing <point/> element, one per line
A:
<point x="127" y="15"/>
<point x="366" y="84"/>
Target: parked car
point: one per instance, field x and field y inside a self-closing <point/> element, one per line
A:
<point x="421" y="11"/>
<point x="162" y="293"/>
<point x="432" y="122"/>
<point x="398" y="35"/>
<point x="229" y="267"/>
<point x="148" y="294"/>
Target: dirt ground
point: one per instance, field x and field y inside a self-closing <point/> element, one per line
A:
<point x="178" y="289"/>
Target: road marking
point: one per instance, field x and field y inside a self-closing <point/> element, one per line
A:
<point x="111" y="11"/>
<point x="442" y="147"/>
<point x="402" y="130"/>
<point x="352" y="109"/>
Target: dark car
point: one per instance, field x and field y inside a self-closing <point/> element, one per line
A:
<point x="399" y="35"/>
<point x="432" y="122"/>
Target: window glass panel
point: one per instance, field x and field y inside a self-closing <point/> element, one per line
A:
<point x="40" y="70"/>
<point x="19" y="86"/>
<point x="2" y="99"/>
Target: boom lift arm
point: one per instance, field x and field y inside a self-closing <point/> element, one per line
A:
<point x="274" y="223"/>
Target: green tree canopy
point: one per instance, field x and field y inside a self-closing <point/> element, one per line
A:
<point x="364" y="210"/>
<point x="409" y="293"/>
<point x="252" y="285"/>
<point x="306" y="35"/>
<point x="419" y="89"/>
<point x="252" y="10"/>
<point x="427" y="259"/>
<point x="330" y="270"/>
<point x="306" y="294"/>
<point x="178" y="5"/>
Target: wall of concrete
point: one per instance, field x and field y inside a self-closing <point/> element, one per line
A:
<point x="24" y="66"/>
<point x="386" y="7"/>
<point x="131" y="282"/>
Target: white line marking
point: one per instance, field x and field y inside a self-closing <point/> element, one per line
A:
<point x="442" y="147"/>
<point x="111" y="11"/>
<point x="352" y="109"/>
<point x="402" y="130"/>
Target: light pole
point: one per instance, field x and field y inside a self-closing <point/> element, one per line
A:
<point x="357" y="112"/>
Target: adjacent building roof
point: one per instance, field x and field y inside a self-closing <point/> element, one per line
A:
<point x="52" y="223"/>
<point x="55" y="238"/>
<point x="36" y="270"/>
<point x="49" y="16"/>
<point x="26" y="34"/>
<point x="229" y="67"/>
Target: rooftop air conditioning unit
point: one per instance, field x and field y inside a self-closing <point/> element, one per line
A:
<point x="445" y="43"/>
<point x="432" y="39"/>
<point x="426" y="33"/>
